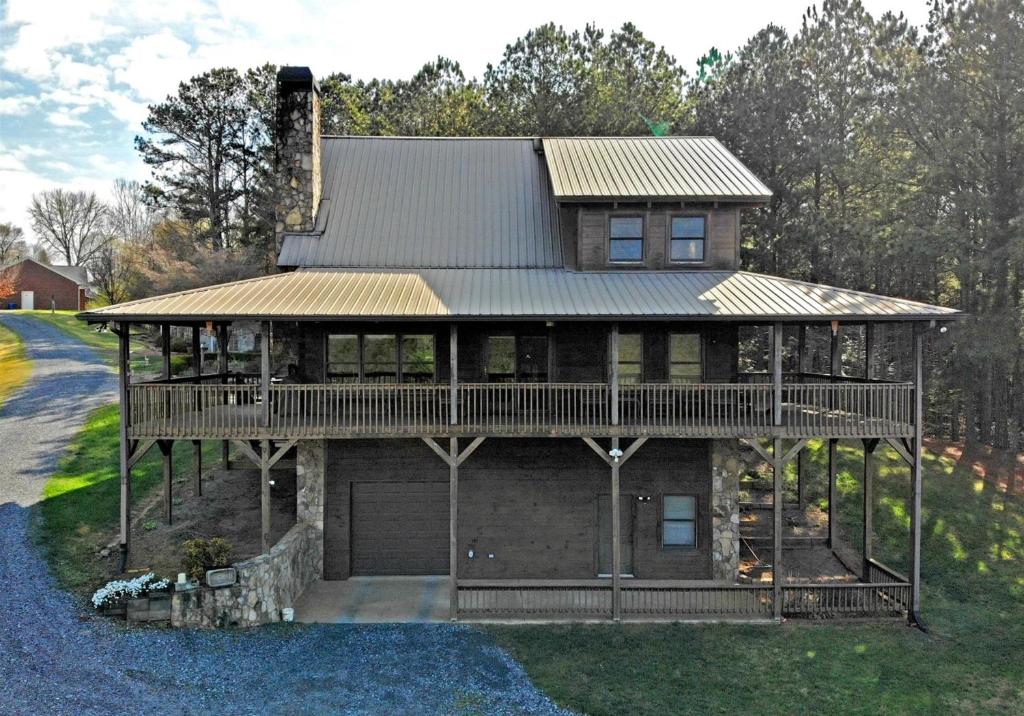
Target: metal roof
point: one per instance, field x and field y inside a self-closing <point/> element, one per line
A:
<point x="408" y="202"/>
<point x="77" y="274"/>
<point x="524" y="293"/>
<point x="617" y="168"/>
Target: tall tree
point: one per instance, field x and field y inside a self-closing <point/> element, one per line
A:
<point x="70" y="223"/>
<point x="12" y="243"/>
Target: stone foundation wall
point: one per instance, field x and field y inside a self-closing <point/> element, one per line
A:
<point x="730" y="460"/>
<point x="265" y="585"/>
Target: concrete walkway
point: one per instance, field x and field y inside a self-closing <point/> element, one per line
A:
<point x="375" y="600"/>
<point x="57" y="657"/>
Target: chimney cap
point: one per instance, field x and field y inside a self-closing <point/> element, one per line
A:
<point x="293" y="78"/>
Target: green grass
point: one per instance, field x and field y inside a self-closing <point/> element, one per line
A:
<point x="79" y="512"/>
<point x="14" y="364"/>
<point x="972" y="660"/>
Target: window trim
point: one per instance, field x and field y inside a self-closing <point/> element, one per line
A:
<point x="704" y="251"/>
<point x="668" y="354"/>
<point x="696" y="523"/>
<point x="642" y="238"/>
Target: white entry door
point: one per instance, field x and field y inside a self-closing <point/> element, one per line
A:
<point x="28" y="300"/>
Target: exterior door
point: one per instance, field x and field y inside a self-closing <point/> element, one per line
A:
<point x="400" y="528"/>
<point x="28" y="300"/>
<point x="604" y="534"/>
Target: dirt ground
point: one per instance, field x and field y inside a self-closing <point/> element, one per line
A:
<point x="229" y="508"/>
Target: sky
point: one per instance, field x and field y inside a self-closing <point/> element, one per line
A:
<point x="76" y="76"/>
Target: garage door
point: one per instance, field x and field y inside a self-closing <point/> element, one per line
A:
<point x="399" y="528"/>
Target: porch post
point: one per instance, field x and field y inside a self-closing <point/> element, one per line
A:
<point x="122" y="331"/>
<point x="835" y="369"/>
<point x="915" y="494"/>
<point x="264" y="496"/>
<point x="453" y="362"/>
<point x="613" y="375"/>
<point x="869" y="350"/>
<point x="777" y="468"/>
<point x="197" y="445"/>
<point x="777" y="374"/>
<point x="801" y="464"/>
<point x="836" y="355"/>
<point x="616" y="545"/>
<point x="453" y="528"/>
<point x="222" y="368"/>
<point x="869" y="502"/>
<point x="165" y="350"/>
<point x="166" y="449"/>
<point x="265" y="372"/>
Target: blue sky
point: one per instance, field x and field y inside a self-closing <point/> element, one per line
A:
<point x="76" y="75"/>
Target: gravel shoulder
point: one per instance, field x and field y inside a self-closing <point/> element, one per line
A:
<point x="56" y="657"/>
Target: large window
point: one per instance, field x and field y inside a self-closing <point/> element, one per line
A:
<point x="679" y="521"/>
<point x="631" y="358"/>
<point x="501" y="359"/>
<point x="684" y="361"/>
<point x="626" y="242"/>
<point x="521" y="359"/>
<point x="380" y="358"/>
<point x="688" y="234"/>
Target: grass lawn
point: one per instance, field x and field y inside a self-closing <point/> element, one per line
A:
<point x="971" y="661"/>
<point x="14" y="364"/>
<point x="79" y="512"/>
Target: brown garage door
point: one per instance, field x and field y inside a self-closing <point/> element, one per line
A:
<point x="399" y="528"/>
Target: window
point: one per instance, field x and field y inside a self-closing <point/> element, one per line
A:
<point x="626" y="243"/>
<point x="418" y="359"/>
<point x="380" y="359"/>
<point x="688" y="238"/>
<point x="684" y="362"/>
<point x="501" y="359"/>
<point x="532" y="359"/>
<point x="343" y="359"/>
<point x="631" y="358"/>
<point x="679" y="521"/>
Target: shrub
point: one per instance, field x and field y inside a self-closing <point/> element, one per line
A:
<point x="201" y="555"/>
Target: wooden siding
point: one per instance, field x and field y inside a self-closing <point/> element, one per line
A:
<point x="721" y="248"/>
<point x="399" y="527"/>
<point x="530" y="503"/>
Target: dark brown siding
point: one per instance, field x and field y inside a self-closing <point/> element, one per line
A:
<point x="400" y="528"/>
<point x="532" y="504"/>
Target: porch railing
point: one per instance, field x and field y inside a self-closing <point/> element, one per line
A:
<point x="824" y="600"/>
<point x="212" y="409"/>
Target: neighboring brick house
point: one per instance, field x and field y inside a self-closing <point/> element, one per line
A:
<point x="36" y="285"/>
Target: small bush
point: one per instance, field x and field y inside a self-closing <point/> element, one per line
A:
<point x="201" y="555"/>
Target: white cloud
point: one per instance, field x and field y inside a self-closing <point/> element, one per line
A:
<point x="59" y="166"/>
<point x="64" y="118"/>
<point x="18" y="105"/>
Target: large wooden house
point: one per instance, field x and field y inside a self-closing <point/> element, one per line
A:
<point x="524" y="363"/>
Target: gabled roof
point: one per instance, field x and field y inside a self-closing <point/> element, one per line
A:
<point x="407" y="202"/>
<point x="635" y="168"/>
<point x="77" y="274"/>
<point x="498" y="294"/>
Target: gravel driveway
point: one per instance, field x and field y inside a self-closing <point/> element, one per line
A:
<point x="55" y="657"/>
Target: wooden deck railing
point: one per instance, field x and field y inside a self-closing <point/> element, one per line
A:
<point x="212" y="409"/>
<point x="667" y="599"/>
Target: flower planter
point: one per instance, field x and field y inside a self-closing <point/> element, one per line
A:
<point x="118" y="609"/>
<point x="153" y="608"/>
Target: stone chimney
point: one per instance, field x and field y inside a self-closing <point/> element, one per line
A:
<point x="298" y="151"/>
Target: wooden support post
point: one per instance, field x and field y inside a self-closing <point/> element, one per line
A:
<point x="777" y="374"/>
<point x="915" y="487"/>
<point x="836" y="352"/>
<point x="197" y="445"/>
<point x="222" y="368"/>
<point x="197" y="467"/>
<point x="869" y="503"/>
<point x="778" y="466"/>
<point x="613" y="373"/>
<point x="453" y="362"/>
<point x="833" y="493"/>
<point x="165" y="350"/>
<point x="616" y="537"/>
<point x="265" y="372"/>
<point x="123" y="378"/>
<point x="802" y="457"/>
<point x="264" y="496"/>
<point x="453" y="529"/>
<point x="166" y="449"/>
<point x="869" y="350"/>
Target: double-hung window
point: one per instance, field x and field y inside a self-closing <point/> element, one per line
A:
<point x="343" y="358"/>
<point x="688" y="234"/>
<point x="679" y="521"/>
<point x="626" y="239"/>
<point x="684" y="361"/>
<point x="631" y="358"/>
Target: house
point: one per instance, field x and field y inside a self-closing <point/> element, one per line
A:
<point x="43" y="286"/>
<point x="534" y="366"/>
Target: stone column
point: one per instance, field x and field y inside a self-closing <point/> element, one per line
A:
<point x="309" y="477"/>
<point x="729" y="462"/>
<point x="298" y="180"/>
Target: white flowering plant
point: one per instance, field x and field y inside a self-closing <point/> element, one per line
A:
<point x="119" y="589"/>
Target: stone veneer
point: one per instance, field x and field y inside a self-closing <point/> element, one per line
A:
<point x="299" y="183"/>
<point x="730" y="460"/>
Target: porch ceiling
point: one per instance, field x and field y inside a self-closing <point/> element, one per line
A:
<point x="516" y="294"/>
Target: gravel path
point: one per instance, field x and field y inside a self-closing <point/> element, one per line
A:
<point x="57" y="658"/>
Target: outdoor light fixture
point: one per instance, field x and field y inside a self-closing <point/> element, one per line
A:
<point x="615" y="454"/>
<point x="271" y="483"/>
<point x="944" y="329"/>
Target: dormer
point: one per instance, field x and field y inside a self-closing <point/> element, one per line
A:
<point x="662" y="203"/>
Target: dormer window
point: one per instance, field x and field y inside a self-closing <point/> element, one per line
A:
<point x="626" y="242"/>
<point x="688" y="234"/>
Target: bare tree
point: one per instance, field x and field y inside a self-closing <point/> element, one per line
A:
<point x="112" y="270"/>
<point x="12" y="243"/>
<point x="71" y="223"/>
<point x="129" y="218"/>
